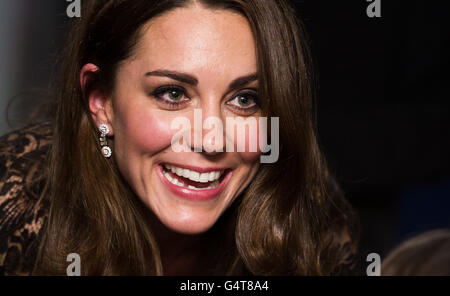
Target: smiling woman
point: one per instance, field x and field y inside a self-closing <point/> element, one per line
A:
<point x="128" y="70"/>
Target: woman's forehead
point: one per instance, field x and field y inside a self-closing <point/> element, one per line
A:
<point x="195" y="38"/>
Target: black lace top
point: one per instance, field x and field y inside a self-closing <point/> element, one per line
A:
<point x="22" y="157"/>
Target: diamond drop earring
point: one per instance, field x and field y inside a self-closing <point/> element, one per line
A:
<point x="104" y="130"/>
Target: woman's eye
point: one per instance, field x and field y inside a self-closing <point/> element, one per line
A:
<point x="171" y="95"/>
<point x="175" y="95"/>
<point x="246" y="102"/>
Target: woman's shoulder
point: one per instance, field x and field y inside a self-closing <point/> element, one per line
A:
<point x="22" y="178"/>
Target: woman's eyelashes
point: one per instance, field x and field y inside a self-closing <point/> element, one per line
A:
<point x="174" y="96"/>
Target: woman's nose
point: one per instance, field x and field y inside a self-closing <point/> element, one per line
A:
<point x="208" y="132"/>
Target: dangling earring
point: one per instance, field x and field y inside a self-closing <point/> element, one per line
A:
<point x="104" y="130"/>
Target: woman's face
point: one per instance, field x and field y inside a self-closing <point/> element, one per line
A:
<point x="186" y="59"/>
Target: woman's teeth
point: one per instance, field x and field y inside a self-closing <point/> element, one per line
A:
<point x="212" y="176"/>
<point x="193" y="175"/>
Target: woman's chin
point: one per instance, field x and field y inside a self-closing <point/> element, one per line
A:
<point x="189" y="226"/>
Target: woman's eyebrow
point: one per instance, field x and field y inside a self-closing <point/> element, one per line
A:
<point x="182" y="77"/>
<point x="189" y="79"/>
<point x="241" y="81"/>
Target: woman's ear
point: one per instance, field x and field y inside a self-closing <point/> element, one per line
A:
<point x="99" y="104"/>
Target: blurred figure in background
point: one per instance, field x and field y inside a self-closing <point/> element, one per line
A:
<point x="425" y="254"/>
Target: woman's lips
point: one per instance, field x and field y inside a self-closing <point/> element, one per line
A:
<point x="194" y="183"/>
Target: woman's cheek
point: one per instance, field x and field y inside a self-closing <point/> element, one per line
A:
<point x="254" y="138"/>
<point x="148" y="132"/>
<point x="250" y="156"/>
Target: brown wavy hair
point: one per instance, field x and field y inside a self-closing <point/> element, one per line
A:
<point x="291" y="220"/>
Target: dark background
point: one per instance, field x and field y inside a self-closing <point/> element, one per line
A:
<point x="384" y="112"/>
<point x="383" y="102"/>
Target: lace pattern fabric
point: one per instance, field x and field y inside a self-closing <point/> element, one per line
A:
<point x="22" y="179"/>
